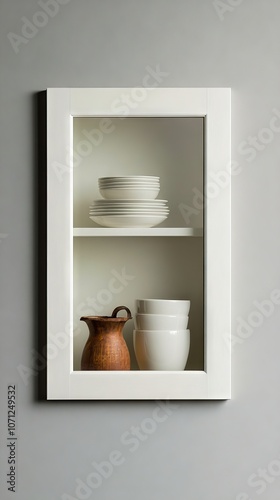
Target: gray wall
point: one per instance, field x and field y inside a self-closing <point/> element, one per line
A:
<point x="201" y="450"/>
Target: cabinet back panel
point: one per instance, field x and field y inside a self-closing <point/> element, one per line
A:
<point x="115" y="271"/>
<point x="171" y="148"/>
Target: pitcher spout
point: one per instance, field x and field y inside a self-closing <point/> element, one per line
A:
<point x="85" y="319"/>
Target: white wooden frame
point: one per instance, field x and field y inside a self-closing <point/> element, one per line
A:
<point x="213" y="383"/>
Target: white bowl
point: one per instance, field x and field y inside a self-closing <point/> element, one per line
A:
<point x="161" y="349"/>
<point x="128" y="220"/>
<point x="130" y="194"/>
<point x="161" y="322"/>
<point x="162" y="306"/>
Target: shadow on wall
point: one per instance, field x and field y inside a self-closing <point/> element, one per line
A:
<point x="40" y="208"/>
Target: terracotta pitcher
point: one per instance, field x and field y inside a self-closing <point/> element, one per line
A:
<point x="106" y="348"/>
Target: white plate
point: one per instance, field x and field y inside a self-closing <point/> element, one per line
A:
<point x="128" y="202"/>
<point x="130" y="194"/>
<point x="135" y="214"/>
<point x="130" y="185"/>
<point x="127" y="181"/>
<point x="122" y="207"/>
<point x="129" y="209"/>
<point x="130" y="212"/>
<point x="129" y="177"/>
<point x="130" y="181"/>
<point x="137" y="208"/>
<point x="129" y="220"/>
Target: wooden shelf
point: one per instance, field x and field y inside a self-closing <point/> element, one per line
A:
<point x="135" y="231"/>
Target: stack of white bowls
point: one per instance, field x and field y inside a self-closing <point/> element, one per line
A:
<point x="161" y="339"/>
<point x="129" y="202"/>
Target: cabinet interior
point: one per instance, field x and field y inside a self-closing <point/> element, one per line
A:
<point x="110" y="271"/>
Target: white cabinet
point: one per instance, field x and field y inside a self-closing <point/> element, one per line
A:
<point x="182" y="136"/>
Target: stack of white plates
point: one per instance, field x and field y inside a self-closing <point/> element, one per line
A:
<point x="135" y="187"/>
<point x="128" y="213"/>
<point x="129" y="202"/>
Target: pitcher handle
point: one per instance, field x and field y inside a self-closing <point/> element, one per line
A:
<point x="119" y="308"/>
